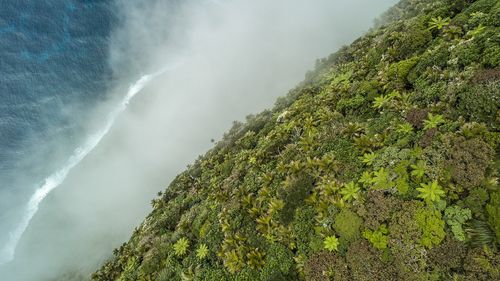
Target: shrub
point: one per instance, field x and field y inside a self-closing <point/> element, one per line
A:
<point x="377" y="238"/>
<point x="279" y="263"/>
<point x="351" y="105"/>
<point x="416" y="117"/>
<point x="215" y="274"/>
<point x="478" y="103"/>
<point x="347" y="225"/>
<point x="476" y="200"/>
<point x="403" y="228"/>
<point x="294" y="195"/>
<point x="398" y="72"/>
<point x="448" y="255"/>
<point x="469" y="160"/>
<point x="378" y="209"/>
<point x="431" y="226"/>
<point x="466" y="53"/>
<point x="325" y="265"/>
<point x="364" y="263"/>
<point x="493" y="209"/>
<point x="302" y="225"/>
<point x="414" y="38"/>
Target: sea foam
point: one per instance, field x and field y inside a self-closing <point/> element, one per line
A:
<point x="8" y="251"/>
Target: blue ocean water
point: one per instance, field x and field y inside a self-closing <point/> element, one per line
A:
<point x="53" y="70"/>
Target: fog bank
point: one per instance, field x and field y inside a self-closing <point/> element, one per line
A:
<point x="231" y="58"/>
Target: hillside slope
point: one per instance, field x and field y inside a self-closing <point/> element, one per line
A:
<point x="381" y="165"/>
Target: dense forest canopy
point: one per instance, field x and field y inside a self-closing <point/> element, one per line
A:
<point x="381" y="165"/>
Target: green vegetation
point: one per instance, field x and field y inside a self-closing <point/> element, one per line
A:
<point x="378" y="238"/>
<point x="455" y="218"/>
<point x="381" y="165"/>
<point x="181" y="246"/>
<point x="202" y="252"/>
<point x="331" y="243"/>
<point x="438" y="23"/>
<point x="430" y="192"/>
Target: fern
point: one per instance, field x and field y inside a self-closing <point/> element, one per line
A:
<point x="381" y="179"/>
<point x="350" y="191"/>
<point x="430" y="192"/>
<point x="433" y="121"/>
<point x="418" y="169"/>
<point x="438" y="23"/>
<point x="368" y="158"/>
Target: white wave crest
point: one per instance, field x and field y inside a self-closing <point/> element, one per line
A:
<point x="54" y="180"/>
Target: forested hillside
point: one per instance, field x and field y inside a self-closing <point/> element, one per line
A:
<point x="381" y="165"/>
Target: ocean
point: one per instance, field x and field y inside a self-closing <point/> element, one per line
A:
<point x="53" y="70"/>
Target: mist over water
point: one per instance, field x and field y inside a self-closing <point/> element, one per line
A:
<point x="54" y="180"/>
<point x="231" y="58"/>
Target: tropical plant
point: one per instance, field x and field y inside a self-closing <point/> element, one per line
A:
<point x="480" y="233"/>
<point x="433" y="121"/>
<point x="402" y="185"/>
<point x="331" y="243"/>
<point x="275" y="205"/>
<point x="405" y="128"/>
<point x="418" y="170"/>
<point x="381" y="101"/>
<point x="340" y="180"/>
<point x="381" y="179"/>
<point x="255" y="259"/>
<point x="378" y="238"/>
<point x="202" y="252"/>
<point x="455" y="217"/>
<point x="476" y="31"/>
<point x="366" y="178"/>
<point x="431" y="226"/>
<point x="181" y="246"/>
<point x="438" y="23"/>
<point x="233" y="261"/>
<point x="430" y="192"/>
<point x="350" y="191"/>
<point x="368" y="158"/>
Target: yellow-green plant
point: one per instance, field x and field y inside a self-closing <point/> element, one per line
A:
<point x="202" y="252"/>
<point x="433" y="121"/>
<point x="368" y="158"/>
<point x="350" y="191"/>
<point x="418" y="170"/>
<point x="381" y="179"/>
<point x="430" y="192"/>
<point x="405" y="128"/>
<point x="275" y="205"/>
<point x="181" y="246"/>
<point x="233" y="261"/>
<point x="378" y="237"/>
<point x="381" y="101"/>
<point x="331" y="243"/>
<point x="366" y="178"/>
<point x="255" y="259"/>
<point x="476" y="31"/>
<point x="438" y="23"/>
